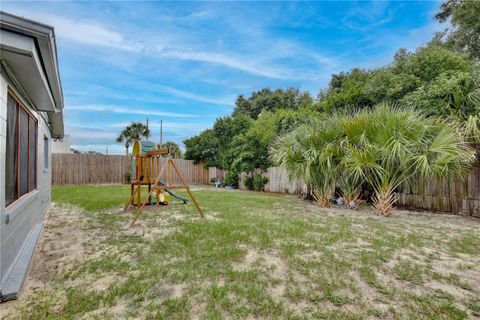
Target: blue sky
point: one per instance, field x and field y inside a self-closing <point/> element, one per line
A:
<point x="185" y="62"/>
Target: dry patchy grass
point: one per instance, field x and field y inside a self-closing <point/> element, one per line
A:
<point x="254" y="256"/>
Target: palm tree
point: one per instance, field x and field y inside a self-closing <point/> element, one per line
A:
<point x="126" y="138"/>
<point x="389" y="146"/>
<point x="173" y="147"/>
<point x="384" y="146"/>
<point x="312" y="153"/>
<point x="135" y="131"/>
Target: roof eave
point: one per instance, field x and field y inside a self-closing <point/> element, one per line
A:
<point x="45" y="37"/>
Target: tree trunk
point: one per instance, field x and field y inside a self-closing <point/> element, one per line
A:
<point x="383" y="201"/>
<point x="323" y="202"/>
<point x="322" y="198"/>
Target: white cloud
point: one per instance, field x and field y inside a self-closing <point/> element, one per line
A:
<point x="91" y="33"/>
<point x="192" y="96"/>
<point x="234" y="61"/>
<point x="259" y="63"/>
<point x="84" y="31"/>
<point x="366" y="16"/>
<point x="131" y="110"/>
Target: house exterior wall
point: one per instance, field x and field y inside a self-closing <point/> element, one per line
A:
<point x="62" y="146"/>
<point x="18" y="219"/>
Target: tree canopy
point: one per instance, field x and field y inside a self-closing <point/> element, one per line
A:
<point x="464" y="33"/>
<point x="271" y="100"/>
<point x="441" y="79"/>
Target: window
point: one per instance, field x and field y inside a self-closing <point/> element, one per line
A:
<point x="21" y="151"/>
<point x="45" y="152"/>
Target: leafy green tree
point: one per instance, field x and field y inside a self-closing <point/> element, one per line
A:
<point x="413" y="79"/>
<point x="249" y="150"/>
<point x="346" y="89"/>
<point x="271" y="100"/>
<point x="226" y="129"/>
<point x="211" y="146"/>
<point x="427" y="63"/>
<point x="135" y="131"/>
<point x="464" y="33"/>
<point x="203" y="148"/>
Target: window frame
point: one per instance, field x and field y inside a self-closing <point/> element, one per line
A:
<point x="30" y="116"/>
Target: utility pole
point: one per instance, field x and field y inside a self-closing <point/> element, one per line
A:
<point x="161" y="133"/>
<point x="147" y="128"/>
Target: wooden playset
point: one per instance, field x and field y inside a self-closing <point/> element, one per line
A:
<point x="148" y="166"/>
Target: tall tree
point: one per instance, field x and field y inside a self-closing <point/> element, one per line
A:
<point x="135" y="131"/>
<point x="464" y="33"/>
<point x="203" y="148"/>
<point x="271" y="100"/>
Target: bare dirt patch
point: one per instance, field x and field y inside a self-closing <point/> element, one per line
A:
<point x="60" y="246"/>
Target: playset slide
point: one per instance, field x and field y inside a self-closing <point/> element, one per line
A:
<point x="185" y="200"/>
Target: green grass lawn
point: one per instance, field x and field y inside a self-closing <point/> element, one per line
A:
<point x="255" y="255"/>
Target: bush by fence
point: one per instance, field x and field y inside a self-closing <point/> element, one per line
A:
<point x="98" y="169"/>
<point x="278" y="181"/>
<point x="459" y="196"/>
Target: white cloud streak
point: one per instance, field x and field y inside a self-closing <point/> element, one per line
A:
<point x="228" y="60"/>
<point x="83" y="31"/>
<point x="192" y="96"/>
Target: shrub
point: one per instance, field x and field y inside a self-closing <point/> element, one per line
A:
<point x="231" y="179"/>
<point x="127" y="176"/>
<point x="259" y="181"/>
<point x="248" y="182"/>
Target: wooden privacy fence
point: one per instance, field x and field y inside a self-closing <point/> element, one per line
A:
<point x="278" y="181"/>
<point x="459" y="196"/>
<point x="98" y="169"/>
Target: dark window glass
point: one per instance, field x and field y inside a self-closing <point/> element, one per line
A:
<point x="33" y="154"/>
<point x="21" y="152"/>
<point x="24" y="171"/>
<point x="11" y="152"/>
<point x="45" y="152"/>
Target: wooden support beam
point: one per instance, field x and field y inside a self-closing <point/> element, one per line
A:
<point x="147" y="168"/>
<point x="139" y="210"/>
<point x="187" y="188"/>
<point x="132" y="197"/>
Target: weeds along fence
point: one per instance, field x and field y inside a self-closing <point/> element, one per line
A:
<point x="103" y="169"/>
<point x="459" y="196"/>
